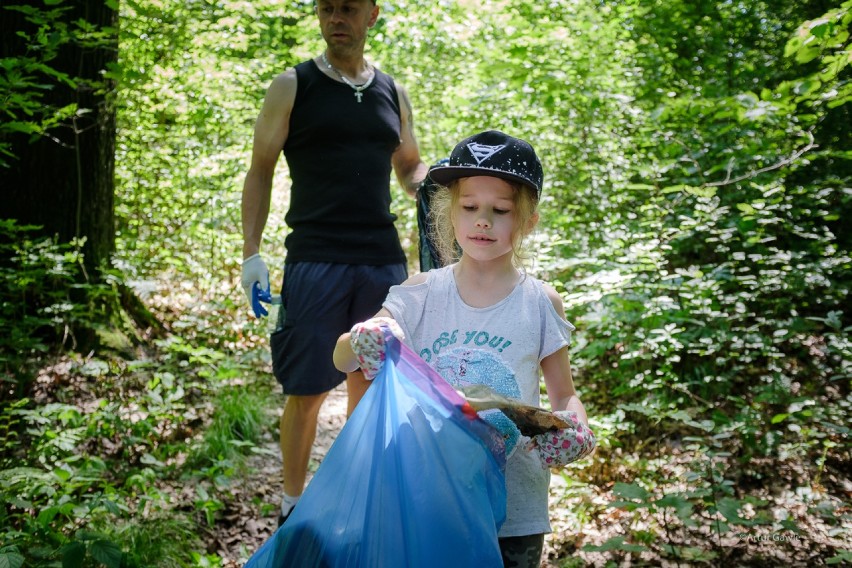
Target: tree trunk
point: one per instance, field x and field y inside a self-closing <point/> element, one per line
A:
<point x="63" y="180"/>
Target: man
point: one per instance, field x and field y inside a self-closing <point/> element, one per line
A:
<point x="342" y="125"/>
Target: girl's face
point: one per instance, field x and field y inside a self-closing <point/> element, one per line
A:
<point x="484" y="217"/>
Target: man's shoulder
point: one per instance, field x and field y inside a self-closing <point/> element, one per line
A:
<point x="287" y="75"/>
<point x="381" y="76"/>
<point x="285" y="82"/>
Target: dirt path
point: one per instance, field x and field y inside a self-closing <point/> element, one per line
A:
<point x="249" y="518"/>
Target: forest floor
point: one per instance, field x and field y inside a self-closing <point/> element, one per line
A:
<point x="581" y="519"/>
<point x="244" y="526"/>
<point x="790" y="512"/>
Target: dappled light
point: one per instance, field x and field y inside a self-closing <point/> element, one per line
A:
<point x="694" y="219"/>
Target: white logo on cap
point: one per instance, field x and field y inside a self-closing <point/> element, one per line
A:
<point x="482" y="152"/>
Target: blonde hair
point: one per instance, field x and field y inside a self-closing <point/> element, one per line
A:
<point x="443" y="206"/>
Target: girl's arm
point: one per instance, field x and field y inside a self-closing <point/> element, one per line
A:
<point x="345" y="359"/>
<point x="560" y="384"/>
<point x="576" y="440"/>
<point x="556" y="369"/>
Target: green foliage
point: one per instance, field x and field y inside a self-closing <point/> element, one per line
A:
<point x="89" y="487"/>
<point x="42" y="300"/>
<point x="697" y="171"/>
<point x="723" y="315"/>
<point x="702" y="501"/>
<point x="745" y="268"/>
<point x="239" y="421"/>
<point x="27" y="80"/>
<point x="158" y="541"/>
<point x="195" y="75"/>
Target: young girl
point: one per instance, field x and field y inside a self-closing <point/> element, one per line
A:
<point x="483" y="320"/>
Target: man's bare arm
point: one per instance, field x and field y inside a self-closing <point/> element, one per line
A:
<point x="270" y="134"/>
<point x="407" y="164"/>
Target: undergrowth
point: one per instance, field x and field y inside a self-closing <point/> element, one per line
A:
<point x="110" y="459"/>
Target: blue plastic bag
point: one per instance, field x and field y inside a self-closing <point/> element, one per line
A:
<point x="415" y="479"/>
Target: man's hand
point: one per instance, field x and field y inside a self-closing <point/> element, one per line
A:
<point x="368" y="342"/>
<point x="559" y="448"/>
<point x="255" y="282"/>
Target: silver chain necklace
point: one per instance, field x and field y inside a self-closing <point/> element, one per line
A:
<point x="357" y="88"/>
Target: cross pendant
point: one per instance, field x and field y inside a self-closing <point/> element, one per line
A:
<point x="358" y="95"/>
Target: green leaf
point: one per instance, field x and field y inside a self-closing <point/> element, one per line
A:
<point x="46" y="515"/>
<point x="833" y="319"/>
<point x="11" y="560"/>
<point x="626" y="505"/>
<point x="844" y="557"/>
<point x="88" y="536"/>
<point x="806" y="86"/>
<point x="630" y="491"/>
<point x="792" y="46"/>
<point x="730" y="509"/>
<point x="24" y="127"/>
<point x="820" y="30"/>
<point x="62" y="474"/>
<point x="837" y="428"/>
<point x="779" y="418"/>
<point x="807" y="54"/>
<point x="615" y="543"/>
<point x="73" y="554"/>
<point x="698" y="191"/>
<point x="702" y="191"/>
<point x="107" y="553"/>
<point x="645" y="410"/>
<point x="682" y="507"/>
<point x="111" y="506"/>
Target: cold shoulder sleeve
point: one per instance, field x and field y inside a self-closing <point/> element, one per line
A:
<point x="555" y="331"/>
<point x="407" y="303"/>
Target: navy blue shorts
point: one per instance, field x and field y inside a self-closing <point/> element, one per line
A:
<point x="321" y="301"/>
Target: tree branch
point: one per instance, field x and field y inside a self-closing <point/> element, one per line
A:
<point x="785" y="162"/>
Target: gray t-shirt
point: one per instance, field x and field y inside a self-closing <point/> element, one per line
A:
<point x="500" y="346"/>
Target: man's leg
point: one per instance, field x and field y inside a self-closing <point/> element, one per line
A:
<point x="356" y="386"/>
<point x="298" y="428"/>
<point x="316" y="298"/>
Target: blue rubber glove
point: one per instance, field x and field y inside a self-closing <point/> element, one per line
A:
<point x="258" y="296"/>
<point x="255" y="281"/>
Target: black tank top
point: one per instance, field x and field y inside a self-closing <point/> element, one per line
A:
<point x="339" y="154"/>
